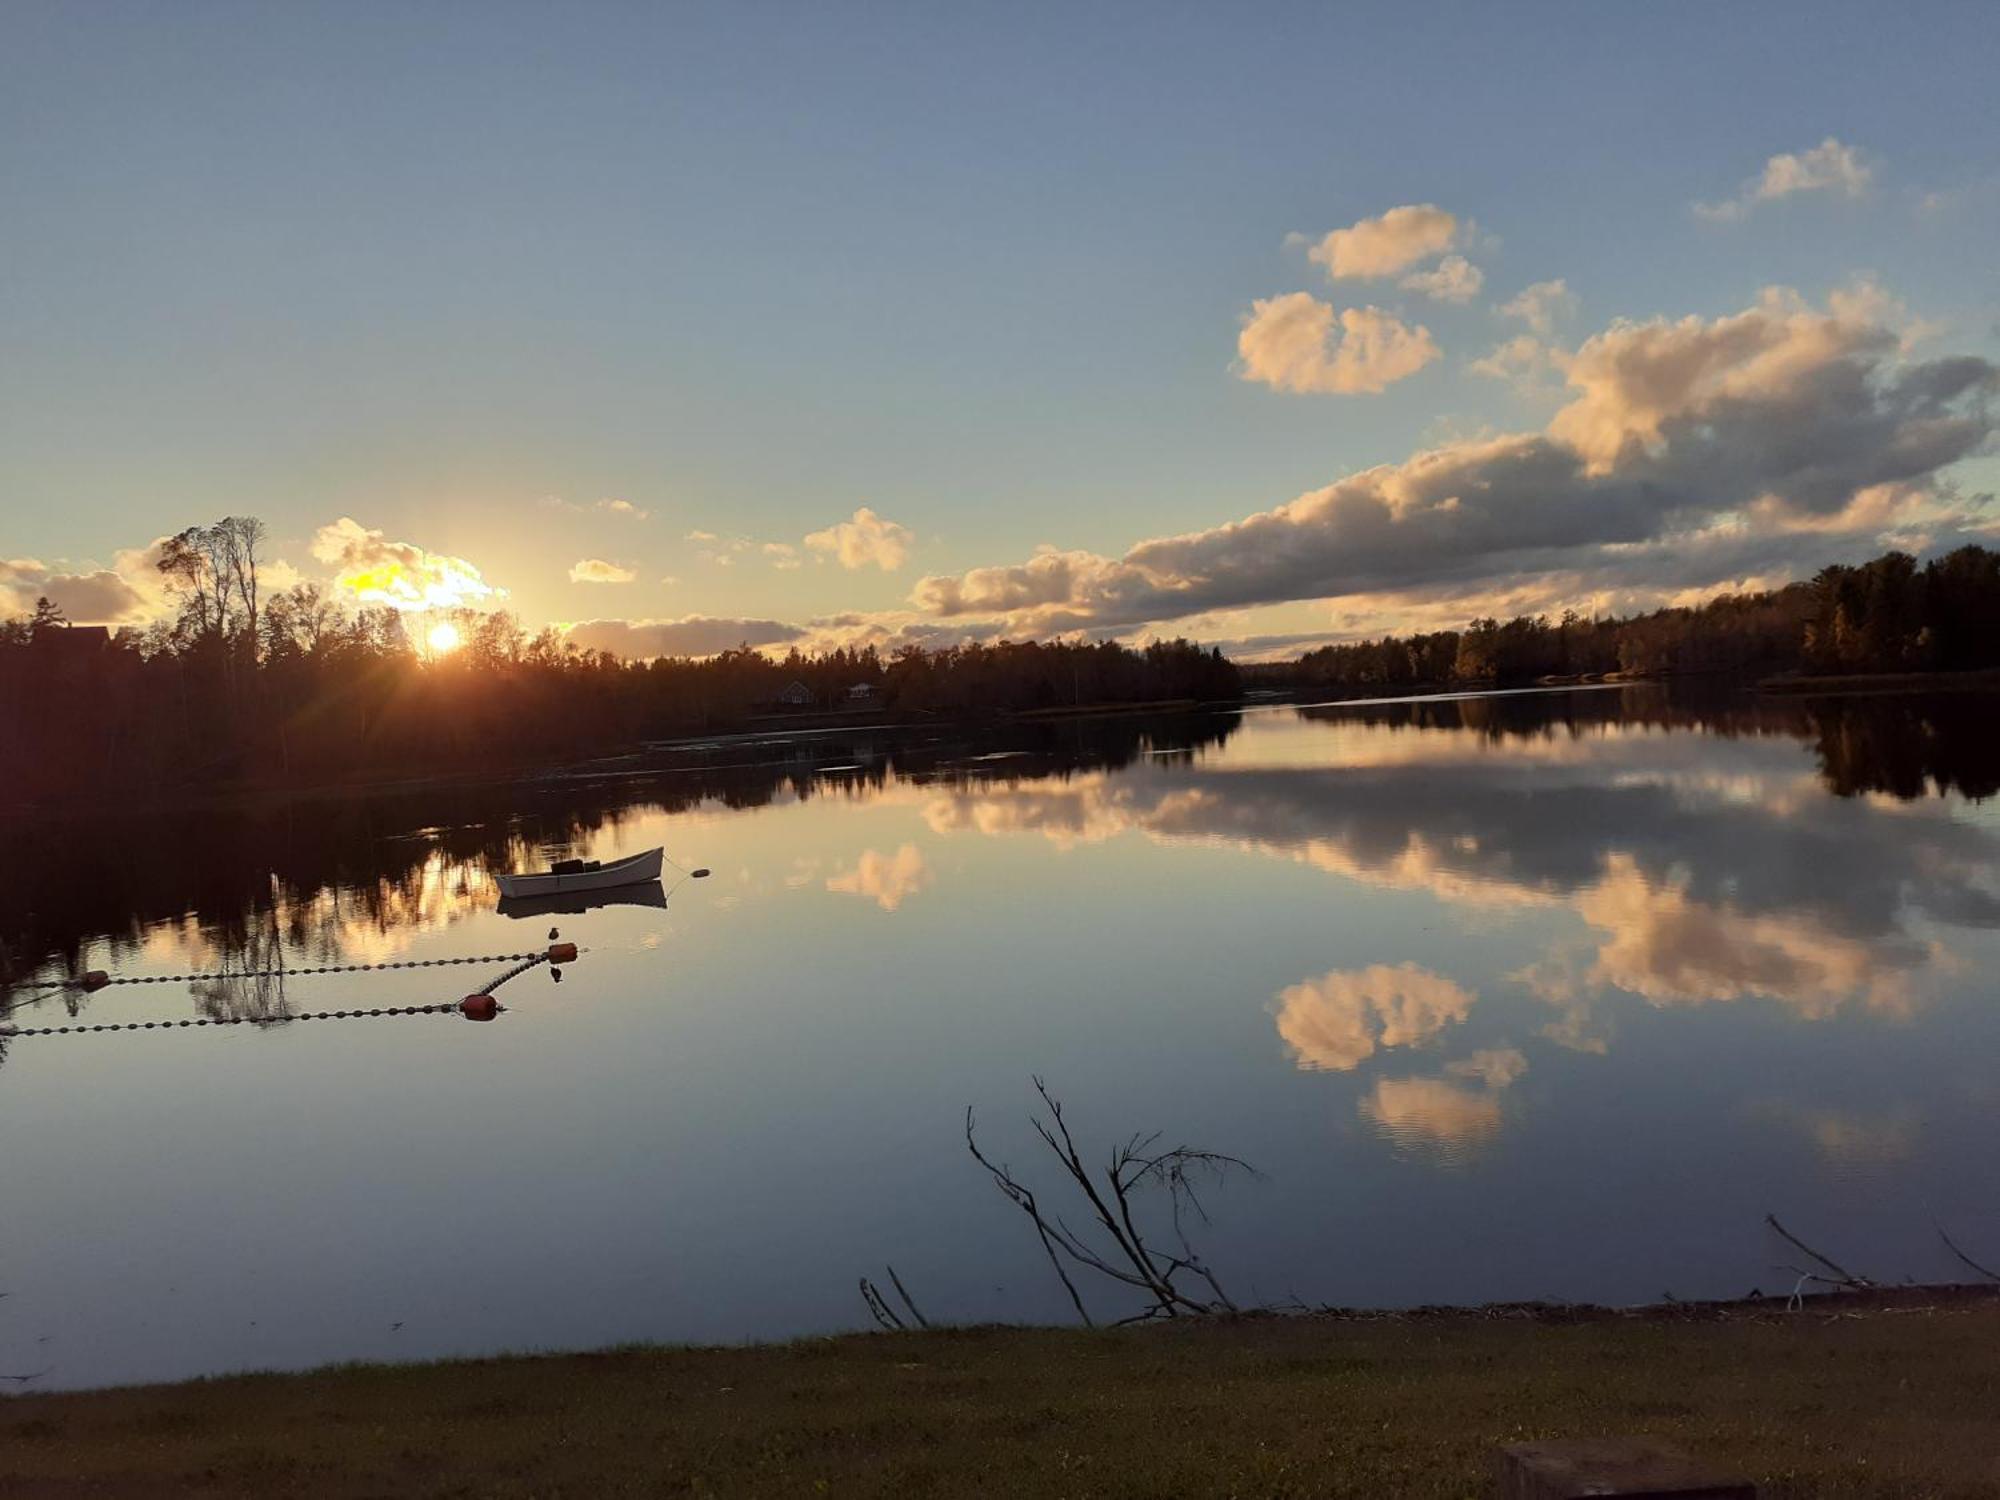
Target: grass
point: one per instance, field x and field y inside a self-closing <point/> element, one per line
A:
<point x="1899" y="1396"/>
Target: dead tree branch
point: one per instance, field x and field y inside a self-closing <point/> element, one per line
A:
<point x="1989" y="1275"/>
<point x="1128" y="1259"/>
<point x="1841" y="1275"/>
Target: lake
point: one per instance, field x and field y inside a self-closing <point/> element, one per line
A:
<point x="1539" y="995"/>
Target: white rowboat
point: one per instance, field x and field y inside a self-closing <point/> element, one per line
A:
<point x="584" y="875"/>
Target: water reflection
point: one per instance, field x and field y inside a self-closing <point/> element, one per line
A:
<point x="359" y="879"/>
<point x="1571" y="976"/>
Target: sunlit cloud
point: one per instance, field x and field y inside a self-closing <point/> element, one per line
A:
<point x="1496" y="1067"/>
<point x="1672" y="949"/>
<point x="1383" y="246"/>
<point x="1300" y="344"/>
<point x="690" y="635"/>
<point x="1828" y="167"/>
<point x="886" y="879"/>
<point x="783" y="556"/>
<point x="597" y="570"/>
<point x="130" y="592"/>
<point x="1432" y="1118"/>
<point x="1541" y="306"/>
<point x="374" y="570"/>
<point x="864" y="540"/>
<point x="1453" y="279"/>
<point x="1335" y="1022"/>
<point x="1686" y="452"/>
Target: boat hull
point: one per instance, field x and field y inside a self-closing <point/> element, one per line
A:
<point x="636" y="870"/>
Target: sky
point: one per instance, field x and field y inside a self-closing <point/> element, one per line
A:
<point x="679" y="326"/>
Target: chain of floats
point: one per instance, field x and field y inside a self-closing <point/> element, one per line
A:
<point x="407" y="963"/>
<point x="555" y="953"/>
<point x="310" y="1015"/>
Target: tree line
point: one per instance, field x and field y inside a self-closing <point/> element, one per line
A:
<point x="242" y="684"/>
<point x="1888" y="615"/>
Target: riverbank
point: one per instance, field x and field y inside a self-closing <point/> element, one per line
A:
<point x="1891" y="1395"/>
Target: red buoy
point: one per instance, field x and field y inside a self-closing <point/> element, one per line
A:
<point x="96" y="979"/>
<point x="479" y="1007"/>
<point x="562" y="953"/>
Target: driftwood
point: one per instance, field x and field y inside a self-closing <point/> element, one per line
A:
<point x="1128" y="1259"/>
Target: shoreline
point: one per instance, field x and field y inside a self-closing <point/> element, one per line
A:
<point x="1864" y="1394"/>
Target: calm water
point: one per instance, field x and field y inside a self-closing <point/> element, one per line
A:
<point x="1549" y="995"/>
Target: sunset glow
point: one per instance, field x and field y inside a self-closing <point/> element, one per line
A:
<point x="443" y="638"/>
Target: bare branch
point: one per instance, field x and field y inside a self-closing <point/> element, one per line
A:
<point x="903" y="1292"/>
<point x="1845" y="1277"/>
<point x="1989" y="1275"/>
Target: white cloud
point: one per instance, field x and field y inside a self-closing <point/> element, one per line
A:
<point x="1381" y="247"/>
<point x="886" y="879"/>
<point x="783" y="555"/>
<point x="1454" y="279"/>
<point x="1496" y="1067"/>
<point x="129" y="593"/>
<point x="1673" y="432"/>
<point x="1524" y="362"/>
<point x="1430" y="1117"/>
<point x="374" y="570"/>
<point x="623" y="508"/>
<point x="1828" y="167"/>
<point x="1290" y="344"/>
<point x="597" y="570"/>
<point x="1336" y="1021"/>
<point x="691" y="635"/>
<point x="1540" y="306"/>
<point x="865" y="539"/>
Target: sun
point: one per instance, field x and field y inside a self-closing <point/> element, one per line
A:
<point x="443" y="637"/>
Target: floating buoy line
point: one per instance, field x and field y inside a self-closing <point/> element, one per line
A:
<point x="477" y="1006"/>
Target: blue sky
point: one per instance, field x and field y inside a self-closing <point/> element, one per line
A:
<point x="979" y="270"/>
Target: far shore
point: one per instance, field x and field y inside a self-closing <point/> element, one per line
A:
<point x="1887" y="1394"/>
<point x="1884" y="682"/>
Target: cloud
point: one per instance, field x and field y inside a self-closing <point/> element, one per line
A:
<point x="1496" y="1067"/>
<point x="1381" y="247"/>
<point x="691" y="635"/>
<point x="1828" y="167"/>
<point x="597" y="570"/>
<point x="783" y="555"/>
<point x="1524" y="362"/>
<point x="1290" y="344"/>
<point x="375" y="570"/>
<point x="1541" y="305"/>
<point x="1454" y="279"/>
<point x="1336" y="1021"/>
<point x="886" y="879"/>
<point x="1432" y="1118"/>
<point x="865" y="539"/>
<point x="1665" y="945"/>
<point x="1673" y="430"/>
<point x="127" y="594"/>
<point x="610" y="506"/>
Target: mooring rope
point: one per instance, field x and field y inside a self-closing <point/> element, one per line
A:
<point x="554" y="955"/>
<point x="406" y="963"/>
<point x="310" y="1015"/>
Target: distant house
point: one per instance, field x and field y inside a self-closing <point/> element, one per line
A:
<point x="794" y="694"/>
<point x="863" y="695"/>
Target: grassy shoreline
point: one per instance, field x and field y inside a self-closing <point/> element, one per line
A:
<point x="1887" y="1394"/>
